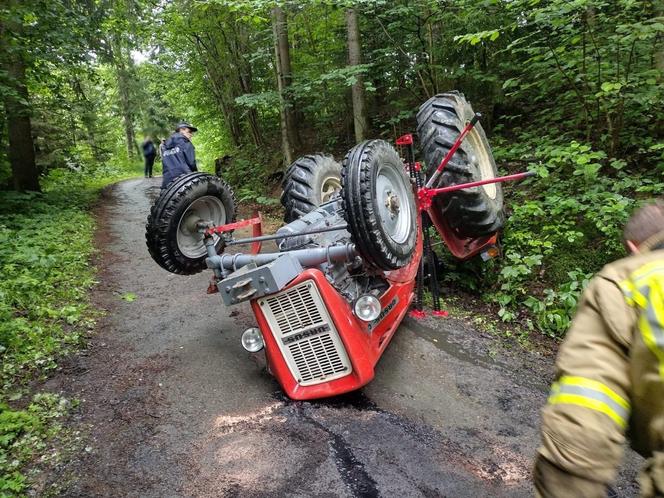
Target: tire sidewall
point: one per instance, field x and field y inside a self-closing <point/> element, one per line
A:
<point x="466" y="112"/>
<point x="302" y="184"/>
<point x="164" y="220"/>
<point x="378" y="250"/>
<point x="327" y="167"/>
<point x="384" y="154"/>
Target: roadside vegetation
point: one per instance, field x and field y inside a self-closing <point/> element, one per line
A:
<point x="46" y="273"/>
<point x="573" y="90"/>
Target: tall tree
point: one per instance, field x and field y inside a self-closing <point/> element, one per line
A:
<point x="284" y="79"/>
<point x="123" y="65"/>
<point x="16" y="101"/>
<point x="355" y="59"/>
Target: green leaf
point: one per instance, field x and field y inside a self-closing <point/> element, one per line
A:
<point x="129" y="297"/>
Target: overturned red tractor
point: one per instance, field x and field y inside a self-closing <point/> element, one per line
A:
<point x="346" y="271"/>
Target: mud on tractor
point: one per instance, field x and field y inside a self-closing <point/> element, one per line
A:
<point x="351" y="258"/>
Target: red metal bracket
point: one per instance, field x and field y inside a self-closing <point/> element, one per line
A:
<point x="425" y="194"/>
<point x="257" y="229"/>
<point x="233" y="226"/>
<point x="406" y="139"/>
<point x="457" y="143"/>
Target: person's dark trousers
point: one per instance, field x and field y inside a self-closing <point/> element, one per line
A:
<point x="149" y="162"/>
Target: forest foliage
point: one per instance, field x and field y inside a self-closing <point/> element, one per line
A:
<point x="571" y="89"/>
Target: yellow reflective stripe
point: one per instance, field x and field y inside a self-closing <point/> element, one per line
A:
<point x="635" y="289"/>
<point x="593" y="404"/>
<point x="646" y="271"/>
<point x="592" y="394"/>
<point x="571" y="380"/>
<point x="651" y="321"/>
<point x="628" y="289"/>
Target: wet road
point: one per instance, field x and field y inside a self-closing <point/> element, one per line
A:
<point x="173" y="405"/>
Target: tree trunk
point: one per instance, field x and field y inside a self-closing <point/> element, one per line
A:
<point x="238" y="48"/>
<point x="659" y="44"/>
<point x="355" y="59"/>
<point x="282" y="64"/>
<point x="21" y="151"/>
<point x="123" y="79"/>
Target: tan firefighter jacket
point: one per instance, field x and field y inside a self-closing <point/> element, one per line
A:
<point x="610" y="383"/>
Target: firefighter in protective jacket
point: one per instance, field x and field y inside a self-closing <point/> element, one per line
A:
<point x="610" y="374"/>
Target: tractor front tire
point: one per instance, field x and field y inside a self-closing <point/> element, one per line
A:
<point x="171" y="232"/>
<point x="309" y="182"/>
<point x="472" y="212"/>
<point x="379" y="205"/>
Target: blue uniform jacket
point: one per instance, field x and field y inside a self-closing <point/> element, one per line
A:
<point x="178" y="157"/>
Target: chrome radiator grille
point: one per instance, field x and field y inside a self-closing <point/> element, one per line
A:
<point x="306" y="335"/>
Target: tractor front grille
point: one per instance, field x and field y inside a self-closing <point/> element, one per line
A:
<point x="306" y="335"/>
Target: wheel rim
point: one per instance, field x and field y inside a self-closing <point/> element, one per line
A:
<point x="330" y="186"/>
<point x="189" y="239"/>
<point x="481" y="159"/>
<point x="392" y="196"/>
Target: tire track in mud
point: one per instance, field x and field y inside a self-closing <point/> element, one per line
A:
<point x="359" y="483"/>
<point x="365" y="451"/>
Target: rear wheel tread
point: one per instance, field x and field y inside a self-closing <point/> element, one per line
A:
<point x="470" y="212"/>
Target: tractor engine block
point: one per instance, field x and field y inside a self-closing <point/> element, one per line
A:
<point x="348" y="277"/>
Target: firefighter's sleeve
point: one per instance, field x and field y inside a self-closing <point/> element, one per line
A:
<point x="190" y="156"/>
<point x="583" y="423"/>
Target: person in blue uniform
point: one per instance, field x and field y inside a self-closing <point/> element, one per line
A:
<point x="178" y="156"/>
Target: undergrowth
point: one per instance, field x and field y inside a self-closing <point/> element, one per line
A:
<point x="46" y="242"/>
<point x="562" y="227"/>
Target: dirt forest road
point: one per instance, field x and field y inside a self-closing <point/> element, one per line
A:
<point x="173" y="406"/>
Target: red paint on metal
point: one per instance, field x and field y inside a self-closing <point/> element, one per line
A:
<point x="452" y="151"/>
<point x="234" y="226"/>
<point x="461" y="248"/>
<point x="432" y="192"/>
<point x="364" y="344"/>
<point x="406" y="139"/>
<point x="424" y="198"/>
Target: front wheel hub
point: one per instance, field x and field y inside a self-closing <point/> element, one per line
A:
<point x="204" y="210"/>
<point x="391" y="187"/>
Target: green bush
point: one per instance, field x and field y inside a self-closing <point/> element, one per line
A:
<point x="562" y="228"/>
<point x="565" y="226"/>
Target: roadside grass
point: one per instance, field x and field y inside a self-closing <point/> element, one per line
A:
<point x="46" y="244"/>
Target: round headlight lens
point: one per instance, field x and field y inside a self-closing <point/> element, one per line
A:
<point x="367" y="308"/>
<point x="252" y="340"/>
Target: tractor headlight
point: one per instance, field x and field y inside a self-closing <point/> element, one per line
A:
<point x="252" y="340"/>
<point x="367" y="308"/>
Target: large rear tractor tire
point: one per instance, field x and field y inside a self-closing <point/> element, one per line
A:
<point x="309" y="182"/>
<point x="470" y="212"/>
<point x="379" y="205"/>
<point x="171" y="232"/>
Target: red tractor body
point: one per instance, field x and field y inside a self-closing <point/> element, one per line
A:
<point x="342" y="357"/>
